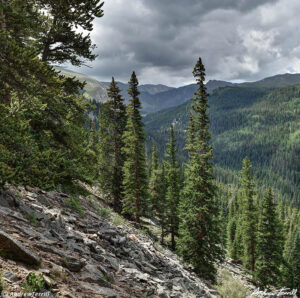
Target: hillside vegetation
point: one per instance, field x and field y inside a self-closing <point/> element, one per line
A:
<point x="259" y="123"/>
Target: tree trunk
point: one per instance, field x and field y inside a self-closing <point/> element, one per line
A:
<point x="173" y="243"/>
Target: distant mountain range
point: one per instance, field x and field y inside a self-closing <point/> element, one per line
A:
<point x="153" y="97"/>
<point x="260" y="120"/>
<point x="159" y="97"/>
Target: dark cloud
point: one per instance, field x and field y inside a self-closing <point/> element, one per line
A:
<point x="161" y="40"/>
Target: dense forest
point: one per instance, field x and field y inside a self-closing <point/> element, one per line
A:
<point x="255" y="122"/>
<point x="191" y="183"/>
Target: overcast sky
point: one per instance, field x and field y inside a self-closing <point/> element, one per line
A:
<point x="238" y="40"/>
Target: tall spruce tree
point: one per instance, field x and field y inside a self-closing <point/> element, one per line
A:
<point x="157" y="192"/>
<point x="118" y="121"/>
<point x="249" y="214"/>
<point x="199" y="229"/>
<point x="104" y="151"/>
<point x="269" y="244"/>
<point x="162" y="210"/>
<point x="154" y="183"/>
<point x="134" y="169"/>
<point x="173" y="189"/>
<point x="112" y="121"/>
<point x="295" y="263"/>
<point x="231" y="230"/>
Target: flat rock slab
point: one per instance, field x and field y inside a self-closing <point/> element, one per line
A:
<point x="106" y="292"/>
<point x="12" y="248"/>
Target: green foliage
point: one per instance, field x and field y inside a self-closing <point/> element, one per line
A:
<point x="199" y="228"/>
<point x="269" y="244"/>
<point x="290" y="270"/>
<point x="295" y="262"/>
<point x="75" y="204"/>
<point x="231" y="287"/>
<point x="34" y="283"/>
<point x="173" y="188"/>
<point x="134" y="169"/>
<point x="104" y="212"/>
<point x="118" y="220"/>
<point x="245" y="121"/>
<point x="249" y="216"/>
<point x="42" y="137"/>
<point x="110" y="158"/>
<point x="32" y="219"/>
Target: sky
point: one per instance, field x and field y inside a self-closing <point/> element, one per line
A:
<point x="238" y="40"/>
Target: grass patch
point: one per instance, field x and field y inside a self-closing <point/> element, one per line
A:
<point x="75" y="204"/>
<point x="32" y="219"/>
<point x="230" y="287"/>
<point x="58" y="275"/>
<point x="118" y="220"/>
<point x="103" y="212"/>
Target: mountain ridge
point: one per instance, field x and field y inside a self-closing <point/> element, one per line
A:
<point x="260" y="123"/>
<point x="157" y="97"/>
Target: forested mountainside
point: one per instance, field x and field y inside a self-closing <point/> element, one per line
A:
<point x="75" y="193"/>
<point x="246" y="121"/>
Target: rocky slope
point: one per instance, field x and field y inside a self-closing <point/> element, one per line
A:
<point x="83" y="251"/>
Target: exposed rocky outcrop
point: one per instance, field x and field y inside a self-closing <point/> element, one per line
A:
<point x="10" y="247"/>
<point x="85" y="256"/>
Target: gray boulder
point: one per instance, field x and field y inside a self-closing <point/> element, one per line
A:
<point x="92" y="274"/>
<point x="12" y="248"/>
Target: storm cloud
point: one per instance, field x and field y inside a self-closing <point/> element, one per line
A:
<point x="162" y="39"/>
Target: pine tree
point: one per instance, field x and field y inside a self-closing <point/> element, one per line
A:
<point x="295" y="263"/>
<point x="117" y="123"/>
<point x="231" y="231"/>
<point x="59" y="41"/>
<point x="154" y="183"/>
<point x="289" y="268"/>
<point x="48" y="104"/>
<point x="104" y="151"/>
<point x="157" y="192"/>
<point x="134" y="169"/>
<point x="269" y="244"/>
<point x="249" y="214"/>
<point x="173" y="188"/>
<point x="162" y="210"/>
<point x="199" y="229"/>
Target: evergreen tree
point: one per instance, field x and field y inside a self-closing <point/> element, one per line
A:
<point x="59" y="41"/>
<point x="173" y="188"/>
<point x="295" y="263"/>
<point x="104" y="151"/>
<point x="289" y="268"/>
<point x="117" y="122"/>
<point x="154" y="183"/>
<point x="162" y="210"/>
<point x="134" y="169"/>
<point x="199" y="229"/>
<point x="269" y="244"/>
<point x="231" y="231"/>
<point x="249" y="214"/>
<point x="157" y="191"/>
<point x="48" y="104"/>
